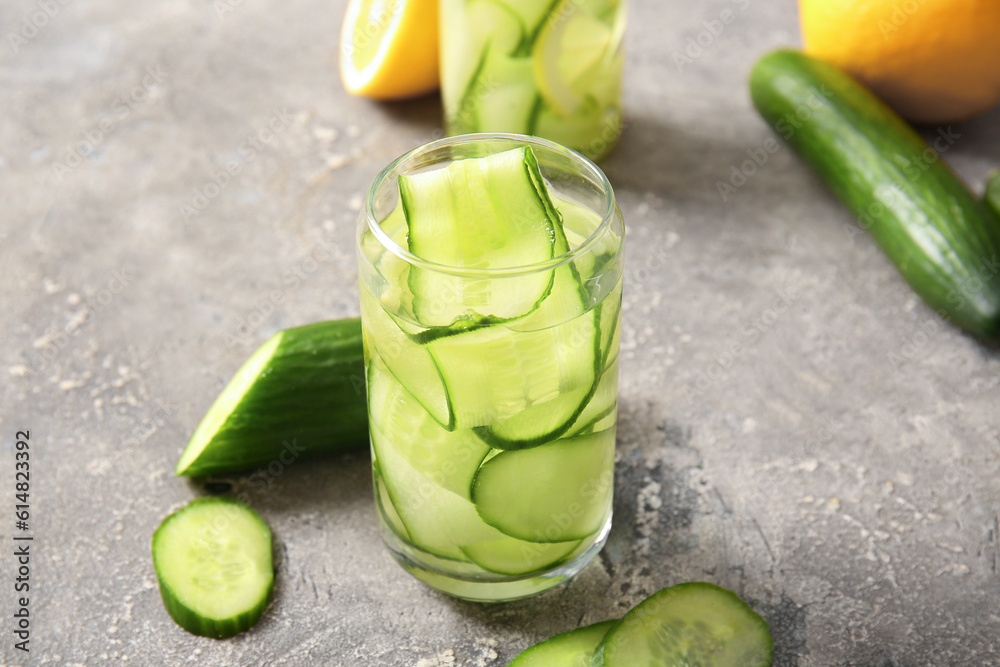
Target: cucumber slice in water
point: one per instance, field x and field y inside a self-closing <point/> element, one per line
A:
<point x="507" y="98"/>
<point x="554" y="493"/>
<point x="213" y="560"/>
<point x="437" y="519"/>
<point x="689" y="624"/>
<point x="479" y="213"/>
<point x="569" y="649"/>
<point x="515" y="557"/>
<point x="570" y="44"/>
<point x="450" y="458"/>
<point x="409" y="362"/>
<point x="385" y="503"/>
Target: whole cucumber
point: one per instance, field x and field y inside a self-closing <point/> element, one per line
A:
<point x="944" y="241"/>
<point x="300" y="394"/>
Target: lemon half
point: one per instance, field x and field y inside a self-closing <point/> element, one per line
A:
<point x="389" y="48"/>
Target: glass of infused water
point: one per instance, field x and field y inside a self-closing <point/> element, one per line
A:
<point x="491" y="283"/>
<point x="551" y="68"/>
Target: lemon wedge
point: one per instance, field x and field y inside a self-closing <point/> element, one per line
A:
<point x="389" y="48"/>
<point x="569" y="45"/>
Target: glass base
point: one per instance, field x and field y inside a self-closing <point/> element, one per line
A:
<point x="468" y="582"/>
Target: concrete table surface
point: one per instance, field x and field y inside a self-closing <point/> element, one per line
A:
<point x="794" y="423"/>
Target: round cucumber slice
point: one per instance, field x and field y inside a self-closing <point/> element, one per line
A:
<point x="213" y="560"/>
<point x="569" y="649"/>
<point x="517" y="557"/>
<point x="554" y="493"/>
<point x="689" y="624"/>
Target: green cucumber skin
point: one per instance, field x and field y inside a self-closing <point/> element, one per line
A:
<point x="993" y="192"/>
<point x="190" y="620"/>
<point x="944" y="241"/>
<point x="311" y="403"/>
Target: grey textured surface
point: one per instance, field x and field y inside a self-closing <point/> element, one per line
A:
<point x="839" y="469"/>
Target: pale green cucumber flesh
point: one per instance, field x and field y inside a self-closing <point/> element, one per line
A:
<point x="513" y="226"/>
<point x="410" y="362"/>
<point x="554" y="493"/>
<point x="450" y="458"/>
<point x="300" y="394"/>
<point x="386" y="507"/>
<point x="569" y="649"/>
<point x="515" y="557"/>
<point x="689" y="624"/>
<point x="437" y="520"/>
<point x="213" y="561"/>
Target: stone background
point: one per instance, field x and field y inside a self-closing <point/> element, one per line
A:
<point x="835" y="463"/>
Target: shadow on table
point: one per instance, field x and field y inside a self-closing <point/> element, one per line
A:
<point x="421" y="113"/>
<point x="300" y="487"/>
<point x="654" y="543"/>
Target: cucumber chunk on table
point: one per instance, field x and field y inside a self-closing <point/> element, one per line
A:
<point x="213" y="560"/>
<point x="300" y="391"/>
<point x="689" y="624"/>
<point x="553" y="493"/>
<point x="569" y="649"/>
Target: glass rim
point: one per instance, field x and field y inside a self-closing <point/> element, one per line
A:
<point x="584" y="164"/>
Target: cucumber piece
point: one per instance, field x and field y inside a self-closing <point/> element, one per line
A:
<point x="569" y="649"/>
<point x="428" y="497"/>
<point x="689" y="624"/>
<point x="408" y="361"/>
<point x="450" y="458"/>
<point x="437" y="520"/>
<point x="478" y="213"/>
<point x="385" y="503"/>
<point x="515" y="557"/>
<point x="470" y="30"/>
<point x="554" y="493"/>
<point x="603" y="403"/>
<point x="507" y="97"/>
<point x="944" y="241"/>
<point x="299" y="394"/>
<point x="213" y="561"/>
<point x="527" y="369"/>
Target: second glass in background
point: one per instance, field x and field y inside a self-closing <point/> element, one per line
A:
<point x="549" y="68"/>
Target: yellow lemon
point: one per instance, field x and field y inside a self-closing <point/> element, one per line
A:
<point x="934" y="61"/>
<point x="389" y="48"/>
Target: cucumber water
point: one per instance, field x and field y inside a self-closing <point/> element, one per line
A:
<point x="551" y="68"/>
<point x="492" y="390"/>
